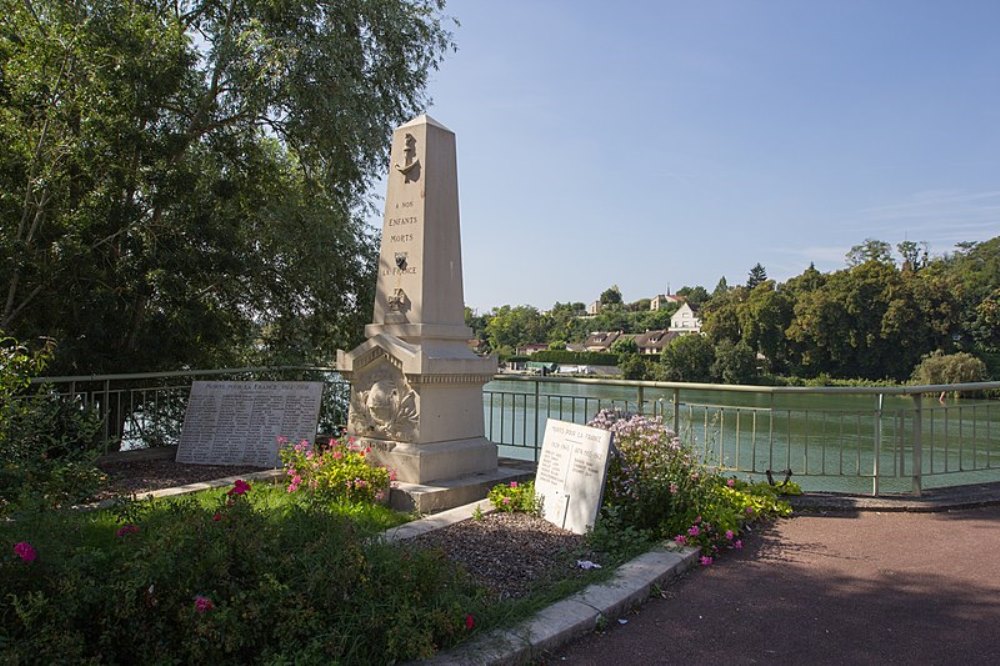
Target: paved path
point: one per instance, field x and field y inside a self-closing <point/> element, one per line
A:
<point x="835" y="588"/>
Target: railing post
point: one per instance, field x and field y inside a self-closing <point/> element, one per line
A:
<point x="918" y="444"/>
<point x="877" y="443"/>
<point x="538" y="386"/>
<point x="677" y="412"/>
<point x="106" y="408"/>
<point x="640" y="399"/>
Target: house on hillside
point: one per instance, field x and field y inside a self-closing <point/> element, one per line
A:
<point x="685" y="320"/>
<point x="531" y="348"/>
<point x="594" y="308"/>
<point x="600" y="341"/>
<point x="651" y="343"/>
<point x="661" y="301"/>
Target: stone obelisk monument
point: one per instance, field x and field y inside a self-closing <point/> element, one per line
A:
<point x="416" y="387"/>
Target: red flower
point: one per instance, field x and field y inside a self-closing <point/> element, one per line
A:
<point x="25" y="551"/>
<point x="217" y="517"/>
<point x="241" y="487"/>
<point x="470" y="622"/>
<point x="203" y="604"/>
<point x="125" y="530"/>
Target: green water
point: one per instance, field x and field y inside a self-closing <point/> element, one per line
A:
<point x="829" y="441"/>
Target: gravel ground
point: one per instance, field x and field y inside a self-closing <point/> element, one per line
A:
<point x="510" y="553"/>
<point x="139" y="476"/>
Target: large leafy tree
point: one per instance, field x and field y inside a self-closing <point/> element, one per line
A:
<point x="183" y="182"/>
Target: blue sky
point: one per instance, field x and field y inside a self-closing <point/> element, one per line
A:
<point x="647" y="143"/>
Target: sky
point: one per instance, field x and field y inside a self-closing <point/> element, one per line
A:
<point x="655" y="144"/>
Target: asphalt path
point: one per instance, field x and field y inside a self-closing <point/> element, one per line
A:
<point x="826" y="588"/>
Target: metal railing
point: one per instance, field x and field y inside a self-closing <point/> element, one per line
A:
<point x="147" y="409"/>
<point x="871" y="439"/>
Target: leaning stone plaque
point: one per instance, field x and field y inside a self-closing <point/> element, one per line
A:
<point x="571" y="471"/>
<point x="238" y="423"/>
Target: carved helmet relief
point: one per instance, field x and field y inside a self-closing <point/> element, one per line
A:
<point x="382" y="402"/>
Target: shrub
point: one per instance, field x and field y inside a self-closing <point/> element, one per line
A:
<point x="47" y="444"/>
<point x="657" y="489"/>
<point x="567" y="357"/>
<point x="335" y="472"/>
<point x="515" y="496"/>
<point x="237" y="581"/>
<point x="941" y="368"/>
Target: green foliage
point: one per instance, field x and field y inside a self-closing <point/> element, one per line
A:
<point x="611" y="296"/>
<point x="244" y="580"/>
<point x="871" y="250"/>
<point x="687" y="358"/>
<point x="574" y="358"/>
<point x="47" y="444"/>
<point x="656" y="489"/>
<point x="515" y="496"/>
<point x="336" y="472"/>
<point x="510" y="327"/>
<point x="183" y="183"/>
<point x="756" y="276"/>
<point x="940" y="368"/>
<point x="734" y="363"/>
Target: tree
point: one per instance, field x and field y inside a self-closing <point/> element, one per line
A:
<point x="756" y="276"/>
<point x="721" y="288"/>
<point x="511" y="327"/>
<point x="687" y="358"/>
<point x="694" y="296"/>
<point x="764" y="317"/>
<point x="870" y="250"/>
<point x="183" y="182"/>
<point x="611" y="296"/>
<point x="734" y="363"/>
<point x="985" y="327"/>
<point x="914" y="254"/>
<point x="940" y="368"/>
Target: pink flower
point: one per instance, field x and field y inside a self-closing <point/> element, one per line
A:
<point x="513" y="484"/>
<point x="470" y="622"/>
<point x="694" y="530"/>
<point x="282" y="439"/>
<point x="730" y="482"/>
<point x="738" y="544"/>
<point x="705" y="560"/>
<point x="749" y="510"/>
<point x="337" y="455"/>
<point x="127" y="529"/>
<point x="241" y="487"/>
<point x="673" y="488"/>
<point x="729" y="535"/>
<point x="506" y="500"/>
<point x="680" y="539"/>
<point x="203" y="604"/>
<point x="25" y="551"/>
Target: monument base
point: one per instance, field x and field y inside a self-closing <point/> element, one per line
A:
<point x="426" y="498"/>
<point x="424" y="463"/>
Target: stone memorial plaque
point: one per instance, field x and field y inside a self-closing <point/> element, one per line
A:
<point x="238" y="423"/>
<point x="571" y="471"/>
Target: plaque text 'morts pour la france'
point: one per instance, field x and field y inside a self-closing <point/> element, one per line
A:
<point x="238" y="423"/>
<point x="571" y="471"/>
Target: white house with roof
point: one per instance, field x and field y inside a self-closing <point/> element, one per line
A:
<point x="685" y="320"/>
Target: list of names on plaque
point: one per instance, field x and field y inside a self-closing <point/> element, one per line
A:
<point x="239" y="423"/>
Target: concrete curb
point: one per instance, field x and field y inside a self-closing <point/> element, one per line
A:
<point x="189" y="488"/>
<point x="565" y="620"/>
<point x="933" y="500"/>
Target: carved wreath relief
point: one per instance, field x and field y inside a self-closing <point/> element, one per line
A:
<point x="383" y="404"/>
